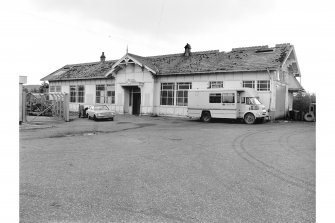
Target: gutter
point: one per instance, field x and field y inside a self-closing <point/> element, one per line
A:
<point x="218" y="71"/>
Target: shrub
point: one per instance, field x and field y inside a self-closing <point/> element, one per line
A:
<point x="302" y="100"/>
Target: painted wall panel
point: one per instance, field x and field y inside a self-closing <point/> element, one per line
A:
<point x="200" y="85"/>
<point x="90" y="94"/>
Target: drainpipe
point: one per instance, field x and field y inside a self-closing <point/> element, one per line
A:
<point x="267" y="69"/>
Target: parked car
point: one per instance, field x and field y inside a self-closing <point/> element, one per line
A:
<point x="96" y="112"/>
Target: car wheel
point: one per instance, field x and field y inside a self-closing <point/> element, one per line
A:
<point x="94" y="118"/>
<point x="206" y="117"/>
<point x="249" y="118"/>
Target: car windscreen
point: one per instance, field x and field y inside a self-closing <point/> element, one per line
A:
<point x="253" y="101"/>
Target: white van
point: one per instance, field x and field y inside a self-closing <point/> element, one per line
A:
<point x="226" y="103"/>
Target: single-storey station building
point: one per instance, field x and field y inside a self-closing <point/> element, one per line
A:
<point x="158" y="85"/>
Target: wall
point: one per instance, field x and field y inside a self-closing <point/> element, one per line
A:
<point x="134" y="75"/>
<point x="150" y="89"/>
<point x="201" y="81"/>
<point x="90" y="87"/>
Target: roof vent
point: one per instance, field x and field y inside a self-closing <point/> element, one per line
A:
<point x="187" y="50"/>
<point x="102" y="57"/>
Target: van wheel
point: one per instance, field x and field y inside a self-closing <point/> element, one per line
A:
<point x="249" y="118"/>
<point x="206" y="117"/>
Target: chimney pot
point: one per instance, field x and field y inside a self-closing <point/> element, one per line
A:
<point x="102" y="57"/>
<point x="187" y="50"/>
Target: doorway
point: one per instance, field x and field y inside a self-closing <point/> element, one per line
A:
<point x="134" y="98"/>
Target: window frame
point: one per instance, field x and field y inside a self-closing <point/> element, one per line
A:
<point x="105" y="93"/>
<point x="213" y="98"/>
<point x="252" y="84"/>
<point x="262" y="89"/>
<point x="58" y="88"/>
<point x="228" y="95"/>
<point x="76" y="94"/>
<point x="182" y="87"/>
<point x="52" y="88"/>
<point x="167" y="95"/>
<point x="214" y="84"/>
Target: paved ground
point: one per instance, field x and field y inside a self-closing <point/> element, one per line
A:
<point x="146" y="169"/>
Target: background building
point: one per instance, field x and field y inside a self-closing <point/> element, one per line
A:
<point x="159" y="84"/>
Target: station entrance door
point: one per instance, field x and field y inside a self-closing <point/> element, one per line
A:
<point x="132" y="102"/>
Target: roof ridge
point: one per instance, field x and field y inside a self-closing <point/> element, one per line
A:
<point x="250" y="48"/>
<point x="88" y="63"/>
<point x="179" y="54"/>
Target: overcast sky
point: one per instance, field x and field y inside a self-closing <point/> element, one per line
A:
<point x="40" y="36"/>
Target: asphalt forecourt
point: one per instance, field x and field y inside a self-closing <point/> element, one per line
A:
<point x="163" y="169"/>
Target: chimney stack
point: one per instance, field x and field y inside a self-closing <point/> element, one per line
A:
<point x="187" y="50"/>
<point x="102" y="58"/>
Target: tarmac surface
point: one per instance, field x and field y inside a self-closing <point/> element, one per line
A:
<point x="163" y="169"/>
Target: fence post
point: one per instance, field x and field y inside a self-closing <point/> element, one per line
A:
<point x="24" y="107"/>
<point x="66" y="107"/>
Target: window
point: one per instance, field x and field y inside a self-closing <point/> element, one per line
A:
<point x="228" y="98"/>
<point x="216" y="84"/>
<point x="214" y="98"/>
<point x="249" y="84"/>
<point x="55" y="89"/>
<point x="263" y="85"/>
<point x="81" y="93"/>
<point x="77" y="93"/>
<point x="182" y="93"/>
<point x="58" y="89"/>
<point x="167" y="94"/>
<point x="105" y="93"/>
<point x="52" y="89"/>
<point x="72" y="93"/>
<point x="100" y="93"/>
<point x="110" y="94"/>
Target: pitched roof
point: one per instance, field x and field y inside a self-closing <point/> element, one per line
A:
<point x="81" y="71"/>
<point x="239" y="59"/>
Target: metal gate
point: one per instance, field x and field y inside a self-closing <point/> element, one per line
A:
<point x="44" y="106"/>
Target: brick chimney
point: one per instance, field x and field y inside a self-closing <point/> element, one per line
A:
<point x="187" y="50"/>
<point x="102" y="57"/>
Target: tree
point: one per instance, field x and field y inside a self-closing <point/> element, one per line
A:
<point x="302" y="100"/>
<point x="44" y="88"/>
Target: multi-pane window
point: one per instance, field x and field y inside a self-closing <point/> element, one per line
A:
<point x="215" y="98"/>
<point x="216" y="84"/>
<point x="55" y="88"/>
<point x="228" y="98"/>
<point x="263" y="85"/>
<point x="105" y="94"/>
<point x="81" y="93"/>
<point x="77" y="93"/>
<point x="167" y="93"/>
<point x="110" y="94"/>
<point x="73" y="93"/>
<point x="249" y="84"/>
<point x="52" y="89"/>
<point x="100" y="93"/>
<point x="182" y="93"/>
